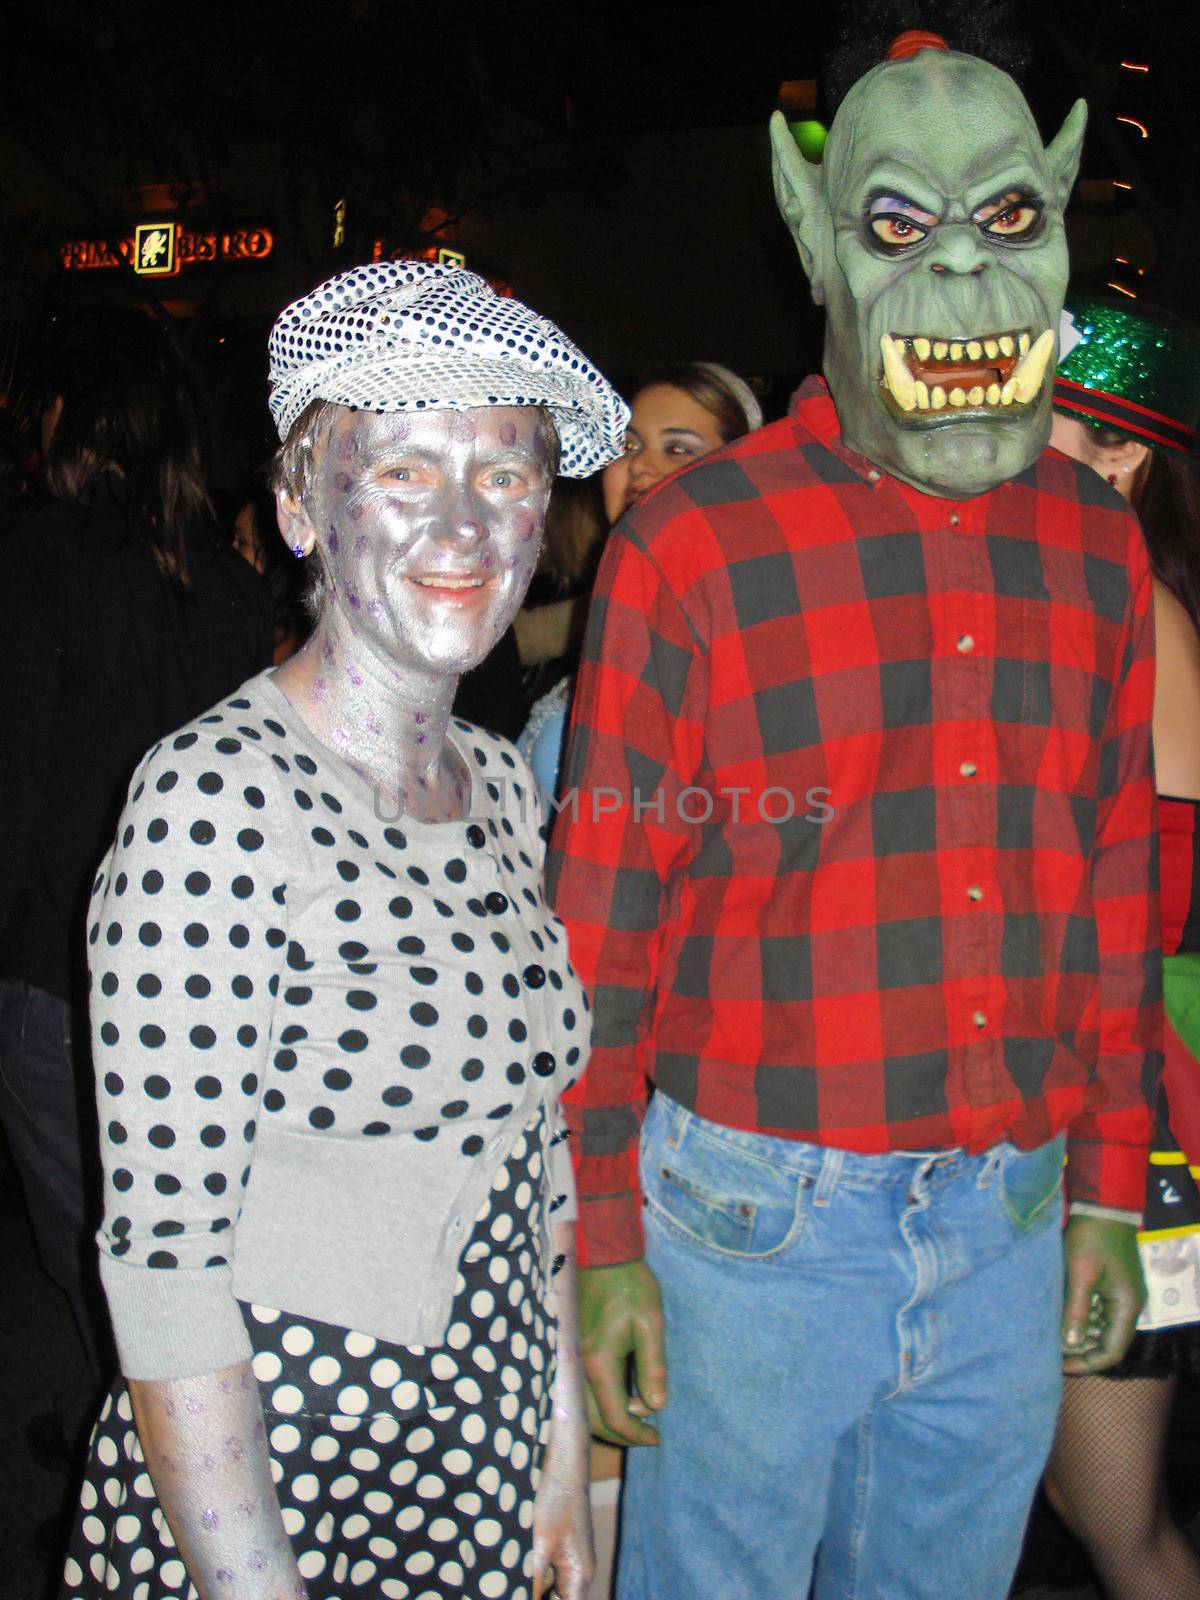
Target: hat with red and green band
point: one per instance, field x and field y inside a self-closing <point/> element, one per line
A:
<point x="1129" y="367"/>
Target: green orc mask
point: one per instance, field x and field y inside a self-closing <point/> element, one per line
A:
<point x="932" y="232"/>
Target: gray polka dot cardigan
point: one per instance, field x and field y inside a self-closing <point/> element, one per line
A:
<point x="318" y="1030"/>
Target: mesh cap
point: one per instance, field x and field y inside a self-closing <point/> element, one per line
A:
<point x="417" y="336"/>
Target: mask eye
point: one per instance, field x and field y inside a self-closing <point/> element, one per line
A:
<point x="1014" y="217"/>
<point x="895" y="231"/>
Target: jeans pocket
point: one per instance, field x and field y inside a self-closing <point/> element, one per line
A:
<point x="720" y="1196"/>
<point x="1031" y="1182"/>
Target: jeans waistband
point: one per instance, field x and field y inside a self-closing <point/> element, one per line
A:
<point x="826" y="1164"/>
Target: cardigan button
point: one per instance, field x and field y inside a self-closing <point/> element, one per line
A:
<point x="534" y="976"/>
<point x="496" y="902"/>
<point x="544" y="1064"/>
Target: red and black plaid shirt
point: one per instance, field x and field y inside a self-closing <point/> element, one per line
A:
<point x="858" y="841"/>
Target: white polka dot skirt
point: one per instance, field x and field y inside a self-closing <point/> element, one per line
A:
<point x="402" y="1471"/>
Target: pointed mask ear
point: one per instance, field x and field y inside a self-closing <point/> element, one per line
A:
<point x="801" y="200"/>
<point x="1064" y="151"/>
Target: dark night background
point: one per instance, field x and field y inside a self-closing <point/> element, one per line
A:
<point x="609" y="164"/>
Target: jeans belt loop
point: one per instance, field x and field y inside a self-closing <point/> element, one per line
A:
<point x="680" y="1118"/>
<point x="831" y="1171"/>
<point x="995" y="1159"/>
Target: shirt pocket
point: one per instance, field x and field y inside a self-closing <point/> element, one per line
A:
<point x="1067" y="666"/>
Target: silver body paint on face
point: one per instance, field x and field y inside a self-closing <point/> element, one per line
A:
<point x="429" y="533"/>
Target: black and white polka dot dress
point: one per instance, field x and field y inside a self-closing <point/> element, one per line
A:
<point x="406" y="1472"/>
<point x="328" y="1050"/>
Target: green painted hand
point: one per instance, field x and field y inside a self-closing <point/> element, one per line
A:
<point x="1105" y="1293"/>
<point x="620" y="1315"/>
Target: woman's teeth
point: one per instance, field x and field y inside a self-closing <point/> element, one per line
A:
<point x="999" y="370"/>
<point x="444" y="581"/>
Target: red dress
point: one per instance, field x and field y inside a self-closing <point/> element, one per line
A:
<point x="1172" y="1213"/>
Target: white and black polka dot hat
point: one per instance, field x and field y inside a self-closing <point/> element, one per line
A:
<point x="417" y="336"/>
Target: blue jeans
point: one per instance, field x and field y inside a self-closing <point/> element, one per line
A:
<point x="863" y="1367"/>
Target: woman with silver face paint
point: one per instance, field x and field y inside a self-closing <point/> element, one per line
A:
<point x="333" y="1014"/>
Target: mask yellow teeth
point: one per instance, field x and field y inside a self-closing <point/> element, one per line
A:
<point x="996" y="371"/>
<point x="1031" y="368"/>
<point x="896" y="374"/>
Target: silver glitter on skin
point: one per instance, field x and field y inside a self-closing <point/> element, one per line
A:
<point x="453" y="496"/>
<point x="207" y="1457"/>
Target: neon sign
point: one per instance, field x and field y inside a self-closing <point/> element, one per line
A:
<point x="162" y="249"/>
<point x="154" y="250"/>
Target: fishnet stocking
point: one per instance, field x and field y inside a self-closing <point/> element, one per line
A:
<point x="1105" y="1480"/>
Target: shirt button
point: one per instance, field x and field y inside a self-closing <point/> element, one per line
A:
<point x="968" y="770"/>
<point x="534" y="976"/>
<point x="965" y="644"/>
<point x="496" y="902"/>
<point x="954" y="519"/>
<point x="979" y="1018"/>
<point x="974" y="892"/>
<point x="476" y="836"/>
<point x="544" y="1064"/>
<point x="873" y="475"/>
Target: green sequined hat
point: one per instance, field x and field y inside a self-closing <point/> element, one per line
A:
<point x="1129" y="367"/>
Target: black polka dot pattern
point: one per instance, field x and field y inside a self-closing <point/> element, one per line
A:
<point x="457" y="343"/>
<point x="401" y="1472"/>
<point x="366" y="980"/>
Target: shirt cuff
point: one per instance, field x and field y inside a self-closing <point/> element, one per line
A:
<point x="610" y="1230"/>
<point x="1084" y="1208"/>
<point x="180" y="1322"/>
<point x="1109" y="1175"/>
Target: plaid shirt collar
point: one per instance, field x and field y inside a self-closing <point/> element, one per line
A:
<point x="812" y="409"/>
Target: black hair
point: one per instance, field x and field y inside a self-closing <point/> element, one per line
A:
<point x="1166" y="498"/>
<point x="708" y="385"/>
<point x="129" y="419"/>
<point x="983" y="28"/>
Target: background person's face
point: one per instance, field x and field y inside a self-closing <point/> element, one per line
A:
<point x="667" y="430"/>
<point x="246" y="540"/>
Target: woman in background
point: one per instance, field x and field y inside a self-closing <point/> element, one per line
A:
<point x="679" y="413"/>
<point x="127" y="614"/>
<point x="549" y="626"/>
<point x="1127" y="400"/>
